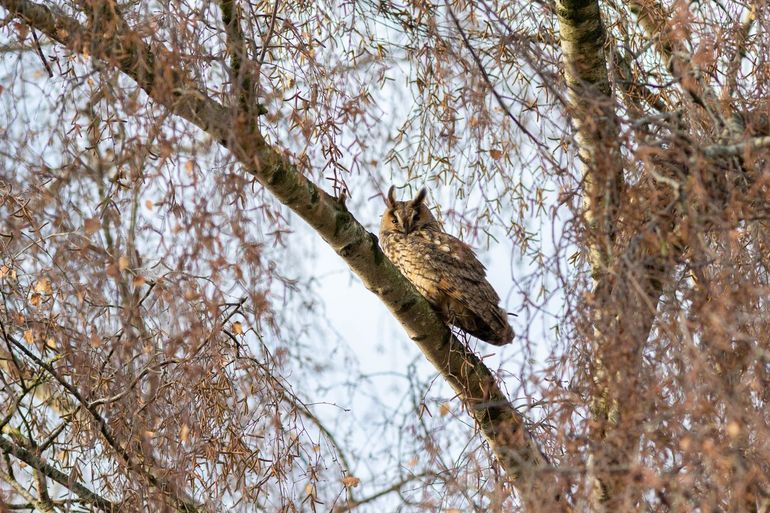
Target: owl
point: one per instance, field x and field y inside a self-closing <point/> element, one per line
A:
<point x="443" y="269"/>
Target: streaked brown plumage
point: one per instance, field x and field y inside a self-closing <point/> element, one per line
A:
<point x="443" y="269"/>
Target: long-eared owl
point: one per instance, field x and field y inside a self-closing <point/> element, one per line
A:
<point x="443" y="269"/>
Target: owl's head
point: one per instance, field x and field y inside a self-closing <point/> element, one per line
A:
<point x="407" y="216"/>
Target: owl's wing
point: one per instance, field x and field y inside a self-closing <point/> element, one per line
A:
<point x="452" y="257"/>
<point x="466" y="283"/>
<point x="464" y="277"/>
<point x="448" y="273"/>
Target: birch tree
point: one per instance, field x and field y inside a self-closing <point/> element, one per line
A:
<point x="159" y="352"/>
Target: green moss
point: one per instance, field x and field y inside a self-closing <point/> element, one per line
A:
<point x="575" y="10"/>
<point x="277" y="176"/>
<point x="406" y="306"/>
<point x="341" y="220"/>
<point x="593" y="37"/>
<point x="315" y="197"/>
<point x="346" y="250"/>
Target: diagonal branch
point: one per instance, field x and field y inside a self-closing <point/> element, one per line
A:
<point x="40" y="504"/>
<point x="636" y="91"/>
<point x="181" y="503"/>
<point x="60" y="477"/>
<point x="487" y="79"/>
<point x="153" y="69"/>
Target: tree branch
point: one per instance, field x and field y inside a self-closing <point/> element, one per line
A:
<point x="725" y="150"/>
<point x="634" y="90"/>
<point x="627" y="282"/>
<point x="243" y="78"/>
<point x="734" y="68"/>
<point x="182" y="503"/>
<point x="153" y="69"/>
<point x="395" y="487"/>
<point x="33" y="501"/>
<point x="38" y="463"/>
<point x="652" y="17"/>
<point x="487" y="79"/>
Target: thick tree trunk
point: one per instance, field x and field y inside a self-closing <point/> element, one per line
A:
<point x="626" y="281"/>
<point x="593" y="115"/>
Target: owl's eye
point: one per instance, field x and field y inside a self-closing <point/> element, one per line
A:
<point x="415" y="215"/>
<point x="394" y="219"/>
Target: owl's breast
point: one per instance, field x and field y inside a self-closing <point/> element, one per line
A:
<point x="413" y="258"/>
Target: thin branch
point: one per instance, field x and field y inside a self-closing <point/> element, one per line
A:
<point x="488" y="80"/>
<point x="724" y="150"/>
<point x="395" y="487"/>
<point x="41" y="55"/>
<point x="740" y="53"/>
<point x="636" y="90"/>
<point x="652" y="17"/>
<point x="25" y="494"/>
<point x="270" y="31"/>
<point x="55" y="433"/>
<point x="182" y="503"/>
<point x="224" y="322"/>
<point x="291" y="398"/>
<point x="63" y="479"/>
<point x="25" y="390"/>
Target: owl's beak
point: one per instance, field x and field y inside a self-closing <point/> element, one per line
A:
<point x="405" y="226"/>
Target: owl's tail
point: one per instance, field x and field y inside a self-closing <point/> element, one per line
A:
<point x="502" y="335"/>
<point x="496" y="329"/>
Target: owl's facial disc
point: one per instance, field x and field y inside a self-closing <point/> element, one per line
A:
<point x="403" y="222"/>
<point x="413" y="218"/>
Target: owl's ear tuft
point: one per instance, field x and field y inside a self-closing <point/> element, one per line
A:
<point x="390" y="199"/>
<point x="420" y="197"/>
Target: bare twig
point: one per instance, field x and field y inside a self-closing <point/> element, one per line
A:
<point x="740" y="53"/>
<point x="25" y="494"/>
<point x="182" y="503"/>
<point x="724" y="150"/>
<point x="41" y="55"/>
<point x="63" y="479"/>
<point x="395" y="487"/>
<point x="270" y="31"/>
<point x="488" y="80"/>
<point x="653" y="17"/>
